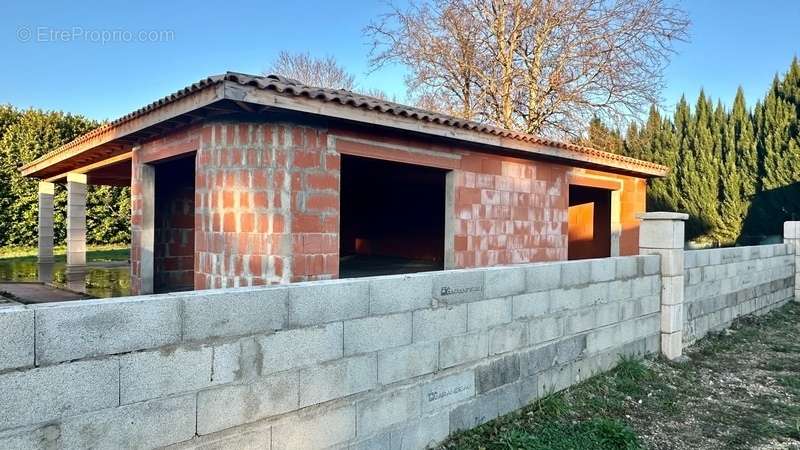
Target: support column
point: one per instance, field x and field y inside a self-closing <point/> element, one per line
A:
<point x="791" y="236"/>
<point x="76" y="232"/>
<point x="616" y="221"/>
<point x="147" y="236"/>
<point x="76" y="220"/>
<point x="450" y="221"/>
<point x="46" y="193"/>
<point x="662" y="233"/>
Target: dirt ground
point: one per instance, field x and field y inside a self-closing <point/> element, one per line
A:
<point x="739" y="390"/>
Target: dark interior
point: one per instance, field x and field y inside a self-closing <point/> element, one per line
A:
<point x="392" y="217"/>
<point x="173" y="259"/>
<point x="589" y="222"/>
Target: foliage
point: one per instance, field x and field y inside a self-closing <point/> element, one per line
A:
<point x="535" y="66"/>
<point x="736" y="172"/>
<point x="28" y="134"/>
<point x="324" y="72"/>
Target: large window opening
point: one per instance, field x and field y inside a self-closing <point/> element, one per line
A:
<point x="173" y="253"/>
<point x="391" y="218"/>
<point x="589" y="222"/>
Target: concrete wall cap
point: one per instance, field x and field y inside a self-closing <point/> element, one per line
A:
<point x="662" y="215"/>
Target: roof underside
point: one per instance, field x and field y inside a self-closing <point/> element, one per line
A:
<point x="235" y="93"/>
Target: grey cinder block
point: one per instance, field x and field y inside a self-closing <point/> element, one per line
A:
<point x="603" y="270"/>
<point x="543" y="277"/>
<point x="457" y="350"/>
<point x="337" y="379"/>
<point x="321" y="302"/>
<point x="445" y="391"/>
<point x="504" y="281"/>
<point x="488" y="313"/>
<point x="318" y="428"/>
<point x="301" y="347"/>
<point x="508" y="338"/>
<point x="538" y="359"/>
<point x="531" y="304"/>
<point x="91" y="328"/>
<point x="458" y="286"/>
<point x="34" y="438"/>
<point x="154" y="374"/>
<point x="435" y="324"/>
<point x="53" y="392"/>
<point x="423" y="433"/>
<point x="571" y="349"/>
<point x="232" y="312"/>
<point x="377" y="333"/>
<point x="407" y="362"/>
<point x="229" y="406"/>
<point x="497" y="373"/>
<point x="381" y="412"/>
<point x="545" y="329"/>
<point x="576" y="273"/>
<point x="16" y="337"/>
<point x="476" y="412"/>
<point x="150" y="424"/>
<point x="400" y="293"/>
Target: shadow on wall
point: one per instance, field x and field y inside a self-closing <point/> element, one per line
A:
<point x="768" y="210"/>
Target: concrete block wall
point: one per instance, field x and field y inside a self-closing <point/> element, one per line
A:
<point x="383" y="362"/>
<point x="723" y="284"/>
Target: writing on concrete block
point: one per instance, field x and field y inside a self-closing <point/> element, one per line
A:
<point x="447" y="290"/>
<point x="448" y="390"/>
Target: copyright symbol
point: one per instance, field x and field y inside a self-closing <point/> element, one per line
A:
<point x="24" y="34"/>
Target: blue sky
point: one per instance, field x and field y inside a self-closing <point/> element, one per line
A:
<point x="733" y="42"/>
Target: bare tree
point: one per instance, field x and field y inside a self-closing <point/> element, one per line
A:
<point x="318" y="72"/>
<point x="538" y="66"/>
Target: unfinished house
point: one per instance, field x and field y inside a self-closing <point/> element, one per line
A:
<point x="242" y="180"/>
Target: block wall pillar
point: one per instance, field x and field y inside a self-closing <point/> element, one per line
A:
<point x="791" y="236"/>
<point x="46" y="233"/>
<point x="662" y="233"/>
<point x="76" y="220"/>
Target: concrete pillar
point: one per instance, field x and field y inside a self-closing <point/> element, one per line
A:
<point x="46" y="193"/>
<point x="76" y="231"/>
<point x="147" y="192"/>
<point x="76" y="219"/>
<point x="450" y="221"/>
<point x="662" y="233"/>
<point x="616" y="221"/>
<point x="791" y="236"/>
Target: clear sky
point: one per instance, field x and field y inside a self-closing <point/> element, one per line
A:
<point x="733" y="42"/>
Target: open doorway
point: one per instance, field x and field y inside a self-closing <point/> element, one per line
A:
<point x="173" y="253"/>
<point x="392" y="218"/>
<point x="589" y="223"/>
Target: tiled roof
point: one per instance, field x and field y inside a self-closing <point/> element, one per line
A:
<point x="289" y="87"/>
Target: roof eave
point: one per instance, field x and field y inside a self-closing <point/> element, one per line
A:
<point x="185" y="101"/>
<point x="217" y="88"/>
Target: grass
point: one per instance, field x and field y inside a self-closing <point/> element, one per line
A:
<point x="740" y="390"/>
<point x="116" y="252"/>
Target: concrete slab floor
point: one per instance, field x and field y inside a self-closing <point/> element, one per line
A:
<point x="33" y="292"/>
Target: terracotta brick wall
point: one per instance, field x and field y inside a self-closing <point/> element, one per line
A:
<point x="173" y="258"/>
<point x="509" y="211"/>
<point x="267" y="200"/>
